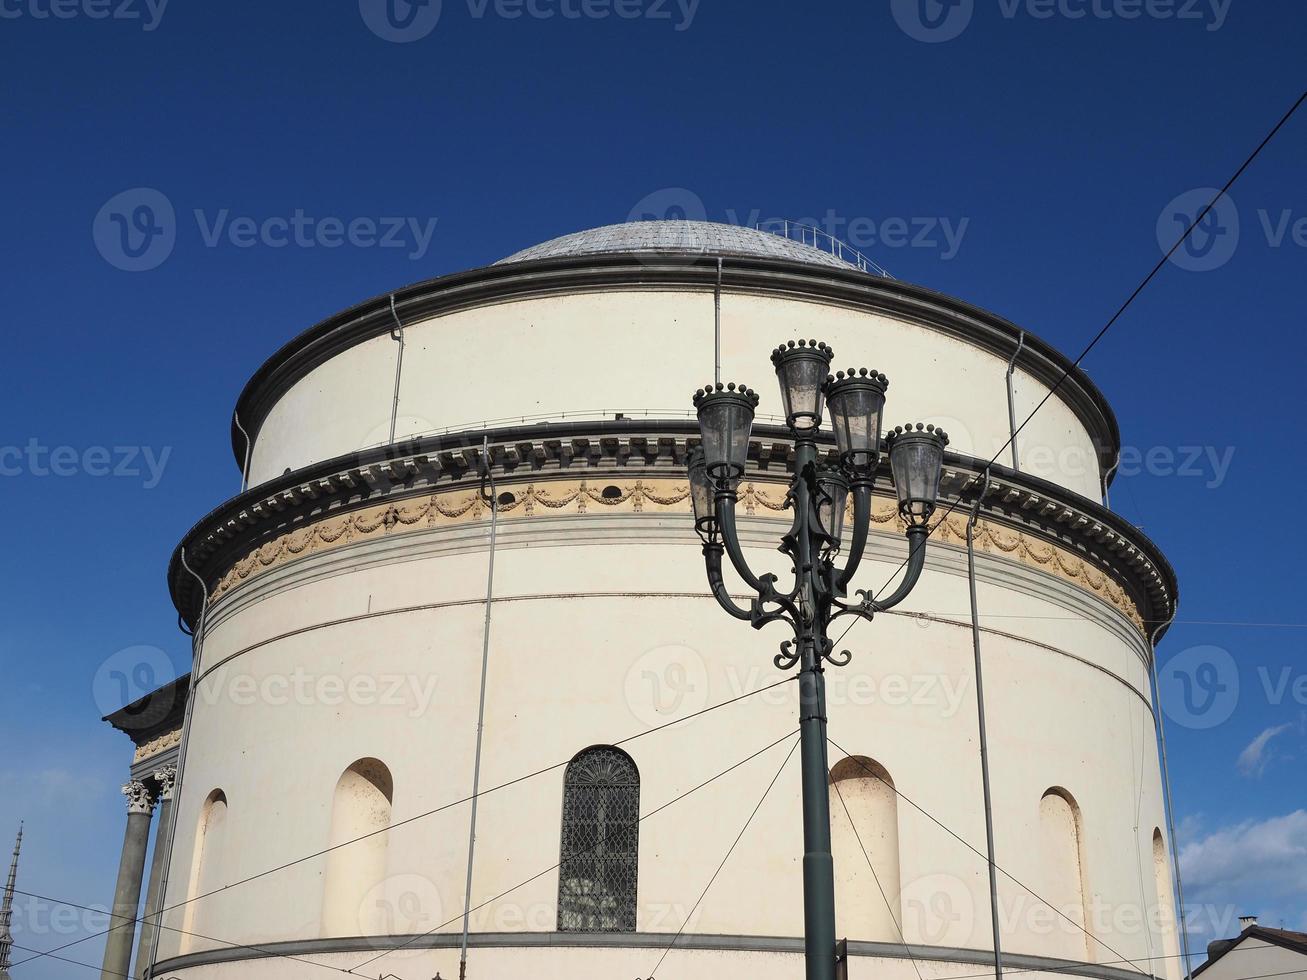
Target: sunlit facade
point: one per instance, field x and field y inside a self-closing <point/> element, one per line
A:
<point x="342" y="608"/>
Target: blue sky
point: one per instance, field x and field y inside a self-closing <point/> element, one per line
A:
<point x="1037" y="153"/>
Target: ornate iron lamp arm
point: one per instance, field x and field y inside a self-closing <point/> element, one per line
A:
<point x="917" y="535"/>
<point x="861" y="490"/>
<point x="712" y="559"/>
<point x="764" y="585"/>
<point x="731" y="539"/>
<point x="806" y="544"/>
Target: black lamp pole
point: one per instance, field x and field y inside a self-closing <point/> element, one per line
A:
<point x="818" y="496"/>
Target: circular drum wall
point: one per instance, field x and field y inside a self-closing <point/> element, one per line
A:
<point x="336" y="694"/>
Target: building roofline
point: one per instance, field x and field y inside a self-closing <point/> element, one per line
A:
<point x="778" y="277"/>
<point x="159" y="711"/>
<point x="1285" y="939"/>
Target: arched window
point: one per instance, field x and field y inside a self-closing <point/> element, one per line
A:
<point x="600" y="842"/>
<point x="867" y="899"/>
<point x="1165" y="918"/>
<point x="360" y="807"/>
<point x="1062" y="854"/>
<point x="208" y="858"/>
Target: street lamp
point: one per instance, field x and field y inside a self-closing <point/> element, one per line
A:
<point x="818" y="496"/>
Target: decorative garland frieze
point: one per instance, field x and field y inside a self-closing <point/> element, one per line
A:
<point x="156" y="745"/>
<point x="430" y="481"/>
<point x="579" y="498"/>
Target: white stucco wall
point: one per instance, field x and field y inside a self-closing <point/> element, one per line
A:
<point x="598" y="634"/>
<point x="640" y="351"/>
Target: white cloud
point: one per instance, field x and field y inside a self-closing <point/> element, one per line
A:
<point x="1254" y="759"/>
<point x="1257" y="866"/>
<point x="1271" y="854"/>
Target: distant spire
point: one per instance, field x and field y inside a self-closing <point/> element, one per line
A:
<point x="7" y="909"/>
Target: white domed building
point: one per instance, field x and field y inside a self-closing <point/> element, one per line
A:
<point x="345" y="600"/>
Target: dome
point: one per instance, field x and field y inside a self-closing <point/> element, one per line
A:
<point x="705" y="237"/>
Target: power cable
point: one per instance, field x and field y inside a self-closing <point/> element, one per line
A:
<point x="1166" y="956"/>
<point x="569" y="857"/>
<point x="966" y="844"/>
<point x="694" y="908"/>
<point x="1101" y="333"/>
<point x="88" y="966"/>
<point x="876" y="878"/>
<point x="197" y="935"/>
<point x="512" y="782"/>
<point x="958" y="976"/>
<point x="907" y="948"/>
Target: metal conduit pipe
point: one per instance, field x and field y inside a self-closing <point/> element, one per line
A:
<point x="197" y="647"/>
<point x="1107" y="500"/>
<point x="717" y="326"/>
<point x="1011" y="401"/>
<point x="249" y="448"/>
<point x="493" y="499"/>
<point x="1180" y="917"/>
<point x="980" y="718"/>
<point x="397" y="335"/>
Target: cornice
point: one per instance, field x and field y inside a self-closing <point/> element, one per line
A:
<point x="371" y="486"/>
<point x="154" y="714"/>
<point x="613" y="272"/>
<point x="1019" y="962"/>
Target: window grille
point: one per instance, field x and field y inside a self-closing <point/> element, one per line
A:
<point x="600" y="843"/>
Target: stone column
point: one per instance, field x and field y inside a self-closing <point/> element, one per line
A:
<point x="127" y="892"/>
<point x="163" y="780"/>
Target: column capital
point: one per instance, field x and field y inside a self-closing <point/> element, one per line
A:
<point x="165" y="779"/>
<point x="139" y="797"/>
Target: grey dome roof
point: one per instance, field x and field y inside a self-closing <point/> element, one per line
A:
<point x="704" y="237"/>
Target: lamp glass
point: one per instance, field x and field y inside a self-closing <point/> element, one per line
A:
<point x="701" y="493"/>
<point x="725" y="421"/>
<point x="801" y="373"/>
<point x="833" y="496"/>
<point x="917" y="461"/>
<point x="856" y="409"/>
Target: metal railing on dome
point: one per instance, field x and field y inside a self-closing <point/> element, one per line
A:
<point x="591" y="415"/>
<point x="823" y="241"/>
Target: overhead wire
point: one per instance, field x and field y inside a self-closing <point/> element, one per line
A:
<point x="730" y="850"/>
<point x="420" y="816"/>
<point x="274" y="954"/>
<point x="965" y="843"/>
<point x="227" y="944"/>
<point x="1066" y="373"/>
<point x="566" y="858"/>
<point x="876" y="878"/>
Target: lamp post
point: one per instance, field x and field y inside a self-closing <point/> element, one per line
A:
<point x="818" y="496"/>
